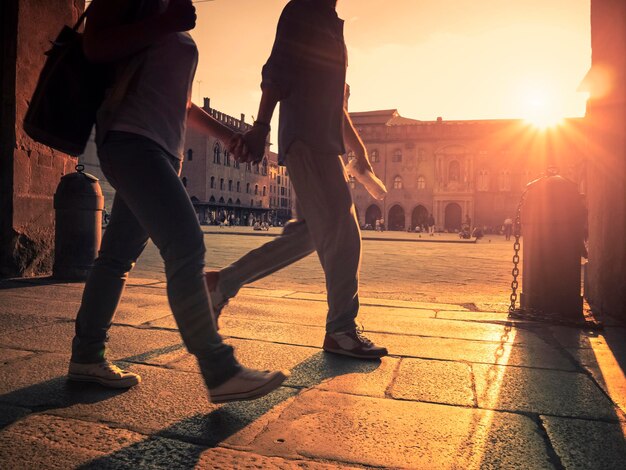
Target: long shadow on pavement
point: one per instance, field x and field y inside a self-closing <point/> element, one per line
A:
<point x="181" y="444"/>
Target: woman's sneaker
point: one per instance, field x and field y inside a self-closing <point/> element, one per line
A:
<point x="247" y="384"/>
<point x="217" y="299"/>
<point x="354" y="344"/>
<point x="104" y="373"/>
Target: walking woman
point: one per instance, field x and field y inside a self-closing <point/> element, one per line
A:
<point x="140" y="137"/>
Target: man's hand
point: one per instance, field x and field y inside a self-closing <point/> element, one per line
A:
<point x="180" y="15"/>
<point x="254" y="140"/>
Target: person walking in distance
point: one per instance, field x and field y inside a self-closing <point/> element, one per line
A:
<point x="431" y="225"/>
<point x="306" y="73"/>
<point x="140" y="148"/>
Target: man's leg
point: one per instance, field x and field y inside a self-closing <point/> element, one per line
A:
<point x="293" y="244"/>
<point x="321" y="183"/>
<point x="324" y="198"/>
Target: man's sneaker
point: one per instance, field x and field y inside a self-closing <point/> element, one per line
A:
<point x="104" y="373"/>
<point x="353" y="343"/>
<point x="218" y="300"/>
<point x="247" y="384"/>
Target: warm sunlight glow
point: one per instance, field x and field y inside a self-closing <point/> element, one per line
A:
<point x="541" y="108"/>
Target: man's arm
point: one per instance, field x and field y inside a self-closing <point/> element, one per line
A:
<point x="279" y="72"/>
<point x="353" y="141"/>
<point x="254" y="140"/>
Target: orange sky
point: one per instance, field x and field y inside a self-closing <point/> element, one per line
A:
<point x="459" y="59"/>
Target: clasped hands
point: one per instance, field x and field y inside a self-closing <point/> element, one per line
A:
<point x="249" y="147"/>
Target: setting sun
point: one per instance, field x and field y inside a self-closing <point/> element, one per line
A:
<point x="541" y="108"/>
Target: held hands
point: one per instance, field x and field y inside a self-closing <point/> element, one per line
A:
<point x="179" y="16"/>
<point x="250" y="146"/>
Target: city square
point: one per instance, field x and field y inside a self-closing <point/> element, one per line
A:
<point x="315" y="234"/>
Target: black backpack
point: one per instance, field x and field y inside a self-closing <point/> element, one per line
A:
<point x="69" y="92"/>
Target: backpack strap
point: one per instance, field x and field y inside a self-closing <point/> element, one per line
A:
<point x="82" y="17"/>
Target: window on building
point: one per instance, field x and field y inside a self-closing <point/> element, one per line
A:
<point x="504" y="180"/>
<point x="236" y="164"/>
<point x="278" y="180"/>
<point x="264" y="190"/>
<point x="238" y="186"/>
<point x="190" y="154"/>
<point x="184" y="179"/>
<point x="248" y="166"/>
<point x="397" y="182"/>
<point x="421" y="182"/>
<point x="230" y="185"/>
<point x="226" y="157"/>
<point x="256" y="189"/>
<point x="264" y="167"/>
<point x="247" y="188"/>
<point x="212" y="182"/>
<point x="454" y="171"/>
<point x="374" y="157"/>
<point x="483" y="180"/>
<point x="256" y="168"/>
<point x="217" y="152"/>
<point x="282" y="191"/>
<point x="222" y="184"/>
<point x="397" y="155"/>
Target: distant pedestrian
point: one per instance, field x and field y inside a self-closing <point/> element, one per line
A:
<point x="431" y="224"/>
<point x="508" y="228"/>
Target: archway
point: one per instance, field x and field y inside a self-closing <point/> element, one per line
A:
<point x="396" y="218"/>
<point x="372" y="214"/>
<point x="419" y="216"/>
<point x="452" y="221"/>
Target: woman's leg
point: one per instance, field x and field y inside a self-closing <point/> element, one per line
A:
<point x="146" y="179"/>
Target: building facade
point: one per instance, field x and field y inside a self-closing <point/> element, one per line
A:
<point x="460" y="171"/>
<point x="223" y="190"/>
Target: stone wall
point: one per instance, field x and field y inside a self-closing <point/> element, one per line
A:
<point x="30" y="172"/>
<point x="606" y="121"/>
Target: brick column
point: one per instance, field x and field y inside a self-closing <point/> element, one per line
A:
<point x="29" y="172"/>
<point x="606" y="177"/>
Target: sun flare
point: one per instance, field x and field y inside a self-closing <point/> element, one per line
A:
<point x="541" y="108"/>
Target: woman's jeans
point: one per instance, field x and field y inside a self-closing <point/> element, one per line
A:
<point x="150" y="202"/>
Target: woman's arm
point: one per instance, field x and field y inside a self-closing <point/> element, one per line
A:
<point x="108" y="39"/>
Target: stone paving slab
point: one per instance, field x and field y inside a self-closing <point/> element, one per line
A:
<point x="375" y="301"/>
<point x="309" y="367"/>
<point x="9" y="355"/>
<point x="45" y="441"/>
<point x="125" y="341"/>
<point x="540" y="391"/>
<point x="400" y="434"/>
<point x="435" y="382"/>
<point x="173" y="404"/>
<point x="607" y="369"/>
<point x="19" y="313"/>
<point x="583" y="444"/>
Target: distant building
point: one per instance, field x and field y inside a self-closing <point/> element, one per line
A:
<point x="223" y="190"/>
<point x="456" y="170"/>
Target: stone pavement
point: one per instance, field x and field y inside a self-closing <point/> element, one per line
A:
<point x="461" y="389"/>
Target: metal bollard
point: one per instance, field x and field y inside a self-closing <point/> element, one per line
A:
<point x="78" y="204"/>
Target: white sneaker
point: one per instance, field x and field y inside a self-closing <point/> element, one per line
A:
<point x="104" y="373"/>
<point x="247" y="384"/>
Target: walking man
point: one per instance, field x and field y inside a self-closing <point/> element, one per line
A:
<point x="306" y="73"/>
